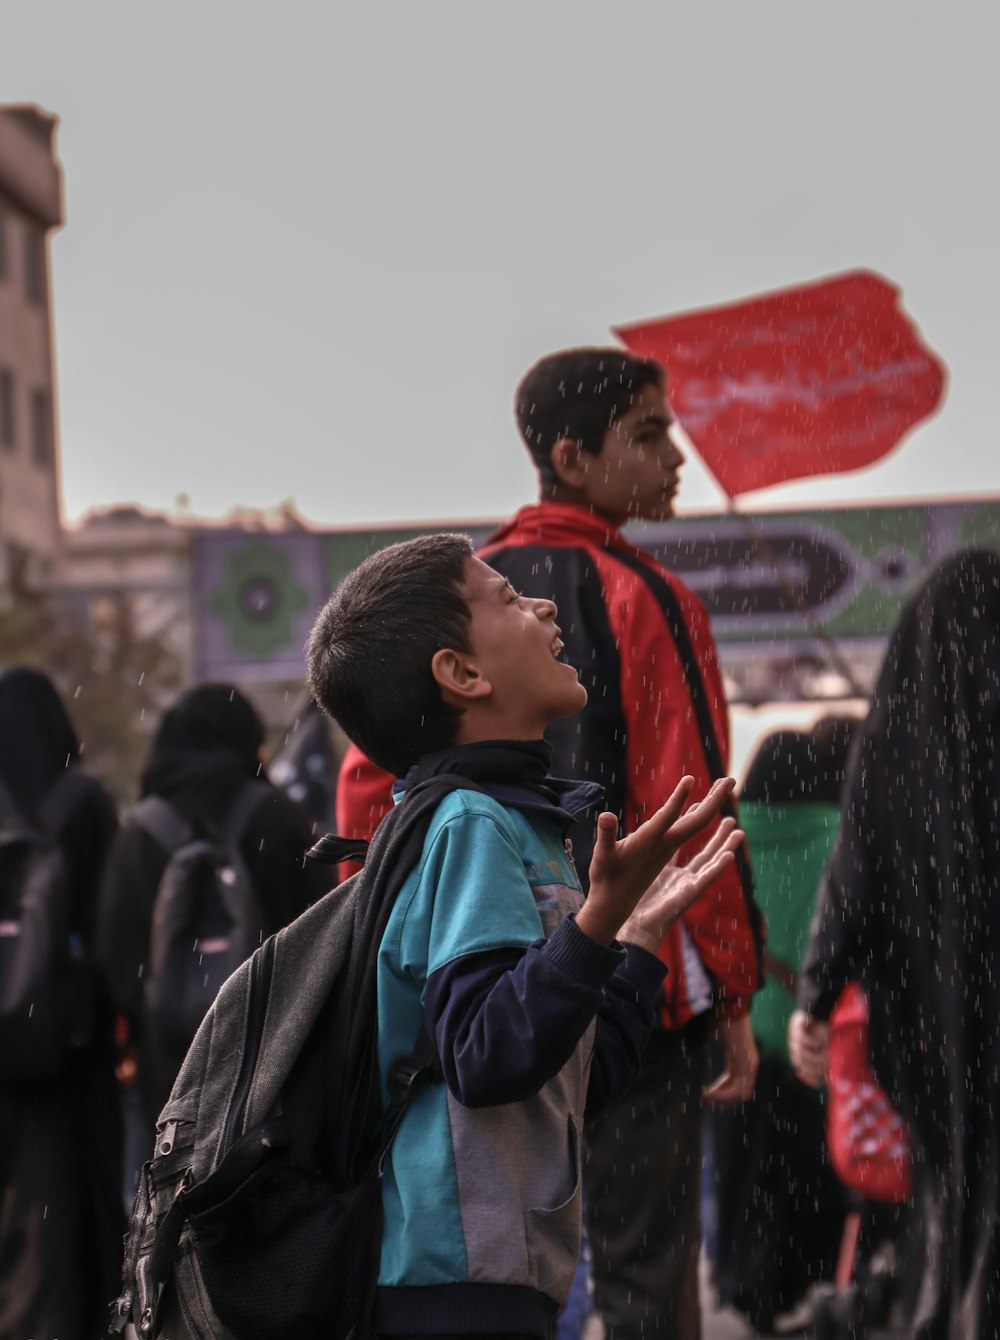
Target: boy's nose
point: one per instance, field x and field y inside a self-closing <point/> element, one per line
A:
<point x="673" y="455"/>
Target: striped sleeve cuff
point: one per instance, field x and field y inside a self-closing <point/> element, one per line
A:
<point x="581" y="958"/>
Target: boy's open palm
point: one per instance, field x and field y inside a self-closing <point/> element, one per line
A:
<point x="622" y="872"/>
<point x="676" y="887"/>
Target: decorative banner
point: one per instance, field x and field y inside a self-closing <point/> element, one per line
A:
<point x="256" y="595"/>
<point x="812" y="380"/>
<point x="778" y="587"/>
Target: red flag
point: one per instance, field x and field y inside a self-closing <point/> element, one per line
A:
<point x="811" y="380"/>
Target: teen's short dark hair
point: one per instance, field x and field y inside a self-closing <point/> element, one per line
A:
<point x="579" y="394"/>
<point x="369" y="653"/>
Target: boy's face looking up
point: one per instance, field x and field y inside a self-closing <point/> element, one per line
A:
<point x="635" y="474"/>
<point x="511" y="684"/>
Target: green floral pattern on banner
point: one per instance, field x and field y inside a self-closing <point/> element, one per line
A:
<point x="260" y="598"/>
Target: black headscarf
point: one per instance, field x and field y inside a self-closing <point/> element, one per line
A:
<point x="207" y="745"/>
<point x="790" y="766"/>
<point x="37" y="741"/>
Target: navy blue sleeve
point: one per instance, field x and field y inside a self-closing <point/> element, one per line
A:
<point x="624" y="1024"/>
<point x="505" y="1021"/>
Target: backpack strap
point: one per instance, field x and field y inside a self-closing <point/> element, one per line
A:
<point x="170" y="830"/>
<point x="157" y="817"/>
<point x="62" y="798"/>
<point x="405" y="1078"/>
<point x="331" y="848"/>
<point x="57" y="804"/>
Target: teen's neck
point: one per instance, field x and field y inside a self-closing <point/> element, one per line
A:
<point x="567" y="497"/>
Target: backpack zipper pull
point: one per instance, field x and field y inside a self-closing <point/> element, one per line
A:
<point x="167" y="1139"/>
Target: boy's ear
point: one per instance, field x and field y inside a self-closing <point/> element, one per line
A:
<point x="570" y="463"/>
<point x="459" y="677"/>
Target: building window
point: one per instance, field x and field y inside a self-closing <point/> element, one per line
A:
<point x="8" y="435"/>
<point x="34" y="266"/>
<point x="41" y="428"/>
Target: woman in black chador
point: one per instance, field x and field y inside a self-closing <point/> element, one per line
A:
<point x="911" y="907"/>
<point x="60" y="1148"/>
<point x="779" y="1204"/>
<point x="205" y="761"/>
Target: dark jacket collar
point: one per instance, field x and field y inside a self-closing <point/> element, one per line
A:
<point x="513" y="772"/>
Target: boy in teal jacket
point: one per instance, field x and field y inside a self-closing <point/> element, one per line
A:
<point x="538" y="1002"/>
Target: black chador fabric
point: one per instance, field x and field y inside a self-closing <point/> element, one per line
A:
<point x="61" y="1218"/>
<point x="911" y="905"/>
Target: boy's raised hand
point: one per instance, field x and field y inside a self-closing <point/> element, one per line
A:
<point x="676" y="887"/>
<point x="622" y="872"/>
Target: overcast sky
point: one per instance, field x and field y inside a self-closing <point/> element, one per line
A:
<point x="310" y="248"/>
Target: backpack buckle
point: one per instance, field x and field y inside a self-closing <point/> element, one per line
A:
<point x="405" y="1073"/>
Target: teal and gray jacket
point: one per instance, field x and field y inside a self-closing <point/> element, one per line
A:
<point x="535" y="1026"/>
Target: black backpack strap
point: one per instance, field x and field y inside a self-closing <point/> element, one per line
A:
<point x="64" y="795"/>
<point x="331" y="849"/>
<point x="170" y="830"/>
<point x="58" y="803"/>
<point x="405" y="1078"/>
<point x="673" y="615"/>
<point x="165" y="825"/>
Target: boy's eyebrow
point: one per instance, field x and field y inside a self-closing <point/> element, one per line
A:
<point x="503" y="586"/>
<point x="656" y="419"/>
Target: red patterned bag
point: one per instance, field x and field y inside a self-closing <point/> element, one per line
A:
<point x="867" y="1139"/>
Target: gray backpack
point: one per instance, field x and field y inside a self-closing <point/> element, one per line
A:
<point x="258" y="1216"/>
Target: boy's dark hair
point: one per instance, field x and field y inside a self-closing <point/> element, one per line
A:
<point x="579" y="394"/>
<point x="369" y="653"/>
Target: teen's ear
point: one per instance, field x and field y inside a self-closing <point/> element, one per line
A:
<point x="569" y="462"/>
<point x="459" y="677"/>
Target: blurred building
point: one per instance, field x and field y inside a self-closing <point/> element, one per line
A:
<point x="31" y="206"/>
<point x="126" y="563"/>
<point x="130" y="575"/>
